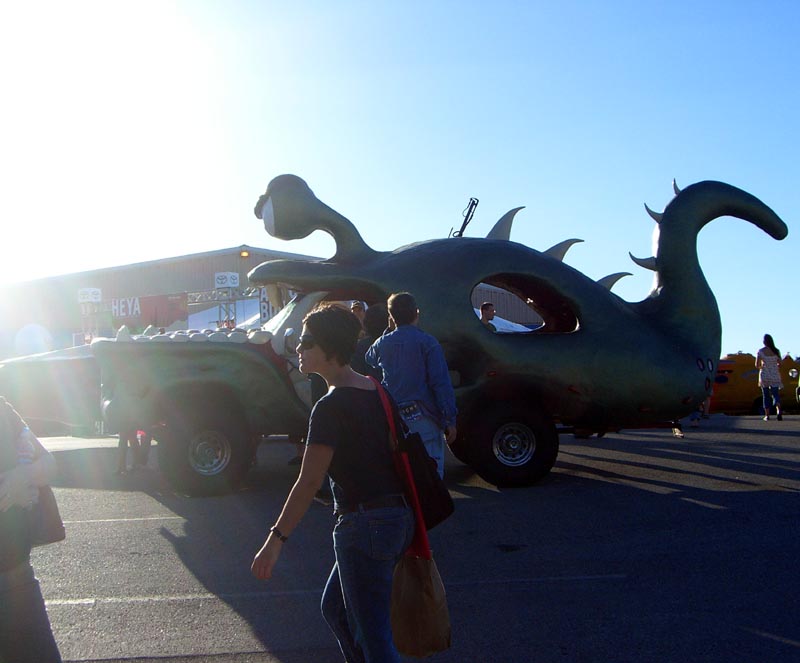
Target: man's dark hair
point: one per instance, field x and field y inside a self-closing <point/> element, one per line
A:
<point x="335" y="330"/>
<point x="486" y="305"/>
<point x="403" y="308"/>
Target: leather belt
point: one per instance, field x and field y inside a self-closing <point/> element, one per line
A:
<point x="384" y="502"/>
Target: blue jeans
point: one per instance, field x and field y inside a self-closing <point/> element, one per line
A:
<point x="432" y="437"/>
<point x="25" y="635"/>
<point x="771" y="396"/>
<point x="357" y="598"/>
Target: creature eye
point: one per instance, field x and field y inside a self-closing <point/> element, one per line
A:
<point x="268" y="216"/>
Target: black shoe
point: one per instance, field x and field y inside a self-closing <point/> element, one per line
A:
<point x="780" y="417"/>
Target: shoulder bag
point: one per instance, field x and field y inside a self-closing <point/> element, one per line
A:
<point x="419" y="613"/>
<point x="46" y="524"/>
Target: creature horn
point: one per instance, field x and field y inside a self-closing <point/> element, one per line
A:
<point x="675" y="187"/>
<point x="657" y="216"/>
<point x="609" y="281"/>
<point x="647" y="263"/>
<point x="502" y="229"/>
<point x="560" y="250"/>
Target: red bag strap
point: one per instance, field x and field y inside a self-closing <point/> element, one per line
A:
<point x="387" y="408"/>
<point x="420" y="546"/>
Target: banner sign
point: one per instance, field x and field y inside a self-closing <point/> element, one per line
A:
<point x="90" y="296"/>
<point x="226" y="280"/>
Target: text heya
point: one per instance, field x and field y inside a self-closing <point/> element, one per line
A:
<point x="126" y="307"/>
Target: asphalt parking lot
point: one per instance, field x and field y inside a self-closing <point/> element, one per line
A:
<point x="637" y="547"/>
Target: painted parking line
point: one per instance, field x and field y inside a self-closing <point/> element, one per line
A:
<point x="122" y="520"/>
<point x="316" y="592"/>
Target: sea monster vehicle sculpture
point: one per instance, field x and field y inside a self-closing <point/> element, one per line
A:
<point x="598" y="363"/>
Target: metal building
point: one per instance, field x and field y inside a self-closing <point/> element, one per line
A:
<point x="61" y="311"/>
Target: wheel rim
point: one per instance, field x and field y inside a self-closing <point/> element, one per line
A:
<point x="209" y="453"/>
<point x="514" y="444"/>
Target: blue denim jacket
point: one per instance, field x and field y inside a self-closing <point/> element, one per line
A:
<point x="414" y="369"/>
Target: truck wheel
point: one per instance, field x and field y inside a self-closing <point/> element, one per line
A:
<point x="204" y="453"/>
<point x="513" y="444"/>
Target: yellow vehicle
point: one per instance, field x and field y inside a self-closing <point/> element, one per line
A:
<point x="736" y="389"/>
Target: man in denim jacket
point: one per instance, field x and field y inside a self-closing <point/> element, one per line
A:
<point x="415" y="374"/>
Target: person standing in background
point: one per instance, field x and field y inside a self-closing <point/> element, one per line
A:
<point x="768" y="363"/>
<point x="375" y="321"/>
<point x="415" y="374"/>
<point x="487" y="315"/>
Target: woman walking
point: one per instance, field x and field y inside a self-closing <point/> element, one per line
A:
<point x="348" y="438"/>
<point x="768" y="363"/>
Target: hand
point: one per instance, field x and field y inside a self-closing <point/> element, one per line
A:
<point x="265" y="559"/>
<point x="450" y="434"/>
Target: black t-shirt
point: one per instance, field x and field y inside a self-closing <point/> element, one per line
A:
<point x="15" y="534"/>
<point x="353" y="422"/>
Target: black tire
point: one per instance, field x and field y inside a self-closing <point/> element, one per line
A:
<point x="512" y="444"/>
<point x="204" y="452"/>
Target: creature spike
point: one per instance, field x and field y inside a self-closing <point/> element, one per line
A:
<point x="647" y="263"/>
<point x="560" y="250"/>
<point x="657" y="216"/>
<point x="502" y="229"/>
<point x="609" y="281"/>
<point x="675" y="187"/>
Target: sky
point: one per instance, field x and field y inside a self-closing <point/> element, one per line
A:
<point x="134" y="131"/>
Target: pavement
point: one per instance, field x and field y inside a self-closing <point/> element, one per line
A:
<point x="637" y="547"/>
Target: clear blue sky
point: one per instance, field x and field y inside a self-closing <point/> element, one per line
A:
<point x="140" y="130"/>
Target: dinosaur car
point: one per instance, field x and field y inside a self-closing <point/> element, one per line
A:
<point x="596" y="363"/>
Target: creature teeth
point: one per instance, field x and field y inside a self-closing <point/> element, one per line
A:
<point x="657" y="216"/>
<point x="647" y="263"/>
<point x="560" y="250"/>
<point x="608" y="281"/>
<point x="675" y="187"/>
<point x="502" y="229"/>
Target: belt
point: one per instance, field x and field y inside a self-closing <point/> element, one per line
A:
<point x="384" y="502"/>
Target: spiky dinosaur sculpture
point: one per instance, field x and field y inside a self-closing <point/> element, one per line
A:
<point x="597" y="363"/>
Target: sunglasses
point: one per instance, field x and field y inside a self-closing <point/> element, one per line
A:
<point x="306" y="342"/>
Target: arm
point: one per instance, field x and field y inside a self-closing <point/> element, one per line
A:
<point x="316" y="460"/>
<point x="371" y="356"/>
<point x="442" y="387"/>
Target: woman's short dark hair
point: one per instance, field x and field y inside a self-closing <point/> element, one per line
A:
<point x="335" y="330"/>
<point x="403" y="308"/>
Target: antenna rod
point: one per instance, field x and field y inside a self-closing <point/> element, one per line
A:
<point x="468" y="212"/>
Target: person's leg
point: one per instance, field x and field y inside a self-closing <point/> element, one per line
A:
<point x="368" y="545"/>
<point x="335" y="615"/>
<point x="776" y="399"/>
<point x="25" y="633"/>
<point x="122" y="452"/>
<point x="133" y="441"/>
<point x="144" y="448"/>
<point x="432" y="437"/>
<point x="766" y="398"/>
